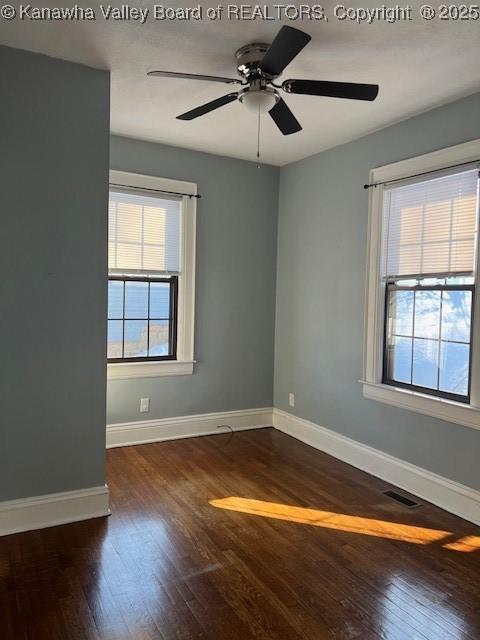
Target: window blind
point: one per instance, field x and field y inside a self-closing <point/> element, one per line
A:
<point x="431" y="226"/>
<point x="144" y="233"/>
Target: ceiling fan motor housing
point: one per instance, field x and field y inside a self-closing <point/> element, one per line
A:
<point x="248" y="59"/>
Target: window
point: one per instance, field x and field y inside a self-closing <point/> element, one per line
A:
<point x="420" y="352"/>
<point x="429" y="265"/>
<point x="142" y="318"/>
<point x="151" y="253"/>
<point x="428" y="336"/>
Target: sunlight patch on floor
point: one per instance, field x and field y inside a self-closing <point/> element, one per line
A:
<point x="347" y="523"/>
<point x="467" y="544"/>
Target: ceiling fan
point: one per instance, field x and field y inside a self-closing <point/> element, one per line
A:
<point x="259" y="65"/>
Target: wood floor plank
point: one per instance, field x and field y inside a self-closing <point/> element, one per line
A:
<point x="254" y="536"/>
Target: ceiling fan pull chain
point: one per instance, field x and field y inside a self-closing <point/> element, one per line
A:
<point x="258" y="140"/>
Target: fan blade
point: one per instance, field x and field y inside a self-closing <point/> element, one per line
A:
<point x="206" y="108"/>
<point x="350" y="90"/>
<point x="193" y="76"/>
<point x="284" y="118"/>
<point x="286" y="45"/>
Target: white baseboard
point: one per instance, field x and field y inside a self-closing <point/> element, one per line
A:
<point x="53" y="509"/>
<point x="447" y="494"/>
<point x="204" y="424"/>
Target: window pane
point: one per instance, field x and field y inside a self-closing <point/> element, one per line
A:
<point x="129" y="222"/>
<point x="159" y="338"/>
<point x="153" y="255"/>
<point x="136" y="300"/>
<point x="114" y="339"/>
<point x="135" y="338"/>
<point x="115" y="299"/>
<point x="427" y="314"/>
<point x="454" y="366"/>
<point x="127" y="255"/>
<point x="425" y="363"/>
<point x="456" y="314"/>
<point x="400" y="360"/>
<point x="401" y="311"/>
<point x="159" y="300"/>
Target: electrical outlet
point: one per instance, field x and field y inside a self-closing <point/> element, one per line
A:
<point x="144" y="405"/>
<point x="291" y="399"/>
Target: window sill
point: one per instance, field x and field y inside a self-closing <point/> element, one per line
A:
<point x="448" y="410"/>
<point x="128" y="370"/>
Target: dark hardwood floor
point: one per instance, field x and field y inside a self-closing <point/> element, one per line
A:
<point x="253" y="535"/>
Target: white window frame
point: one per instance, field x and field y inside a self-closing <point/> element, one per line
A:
<point x="184" y="363"/>
<point x="373" y="388"/>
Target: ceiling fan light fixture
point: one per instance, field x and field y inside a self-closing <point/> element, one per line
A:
<point x="259" y="99"/>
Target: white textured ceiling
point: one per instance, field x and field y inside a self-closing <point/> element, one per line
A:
<point x="418" y="65"/>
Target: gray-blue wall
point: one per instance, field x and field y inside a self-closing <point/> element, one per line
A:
<point x="54" y="131"/>
<point x="235" y="285"/>
<point x="322" y="240"/>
